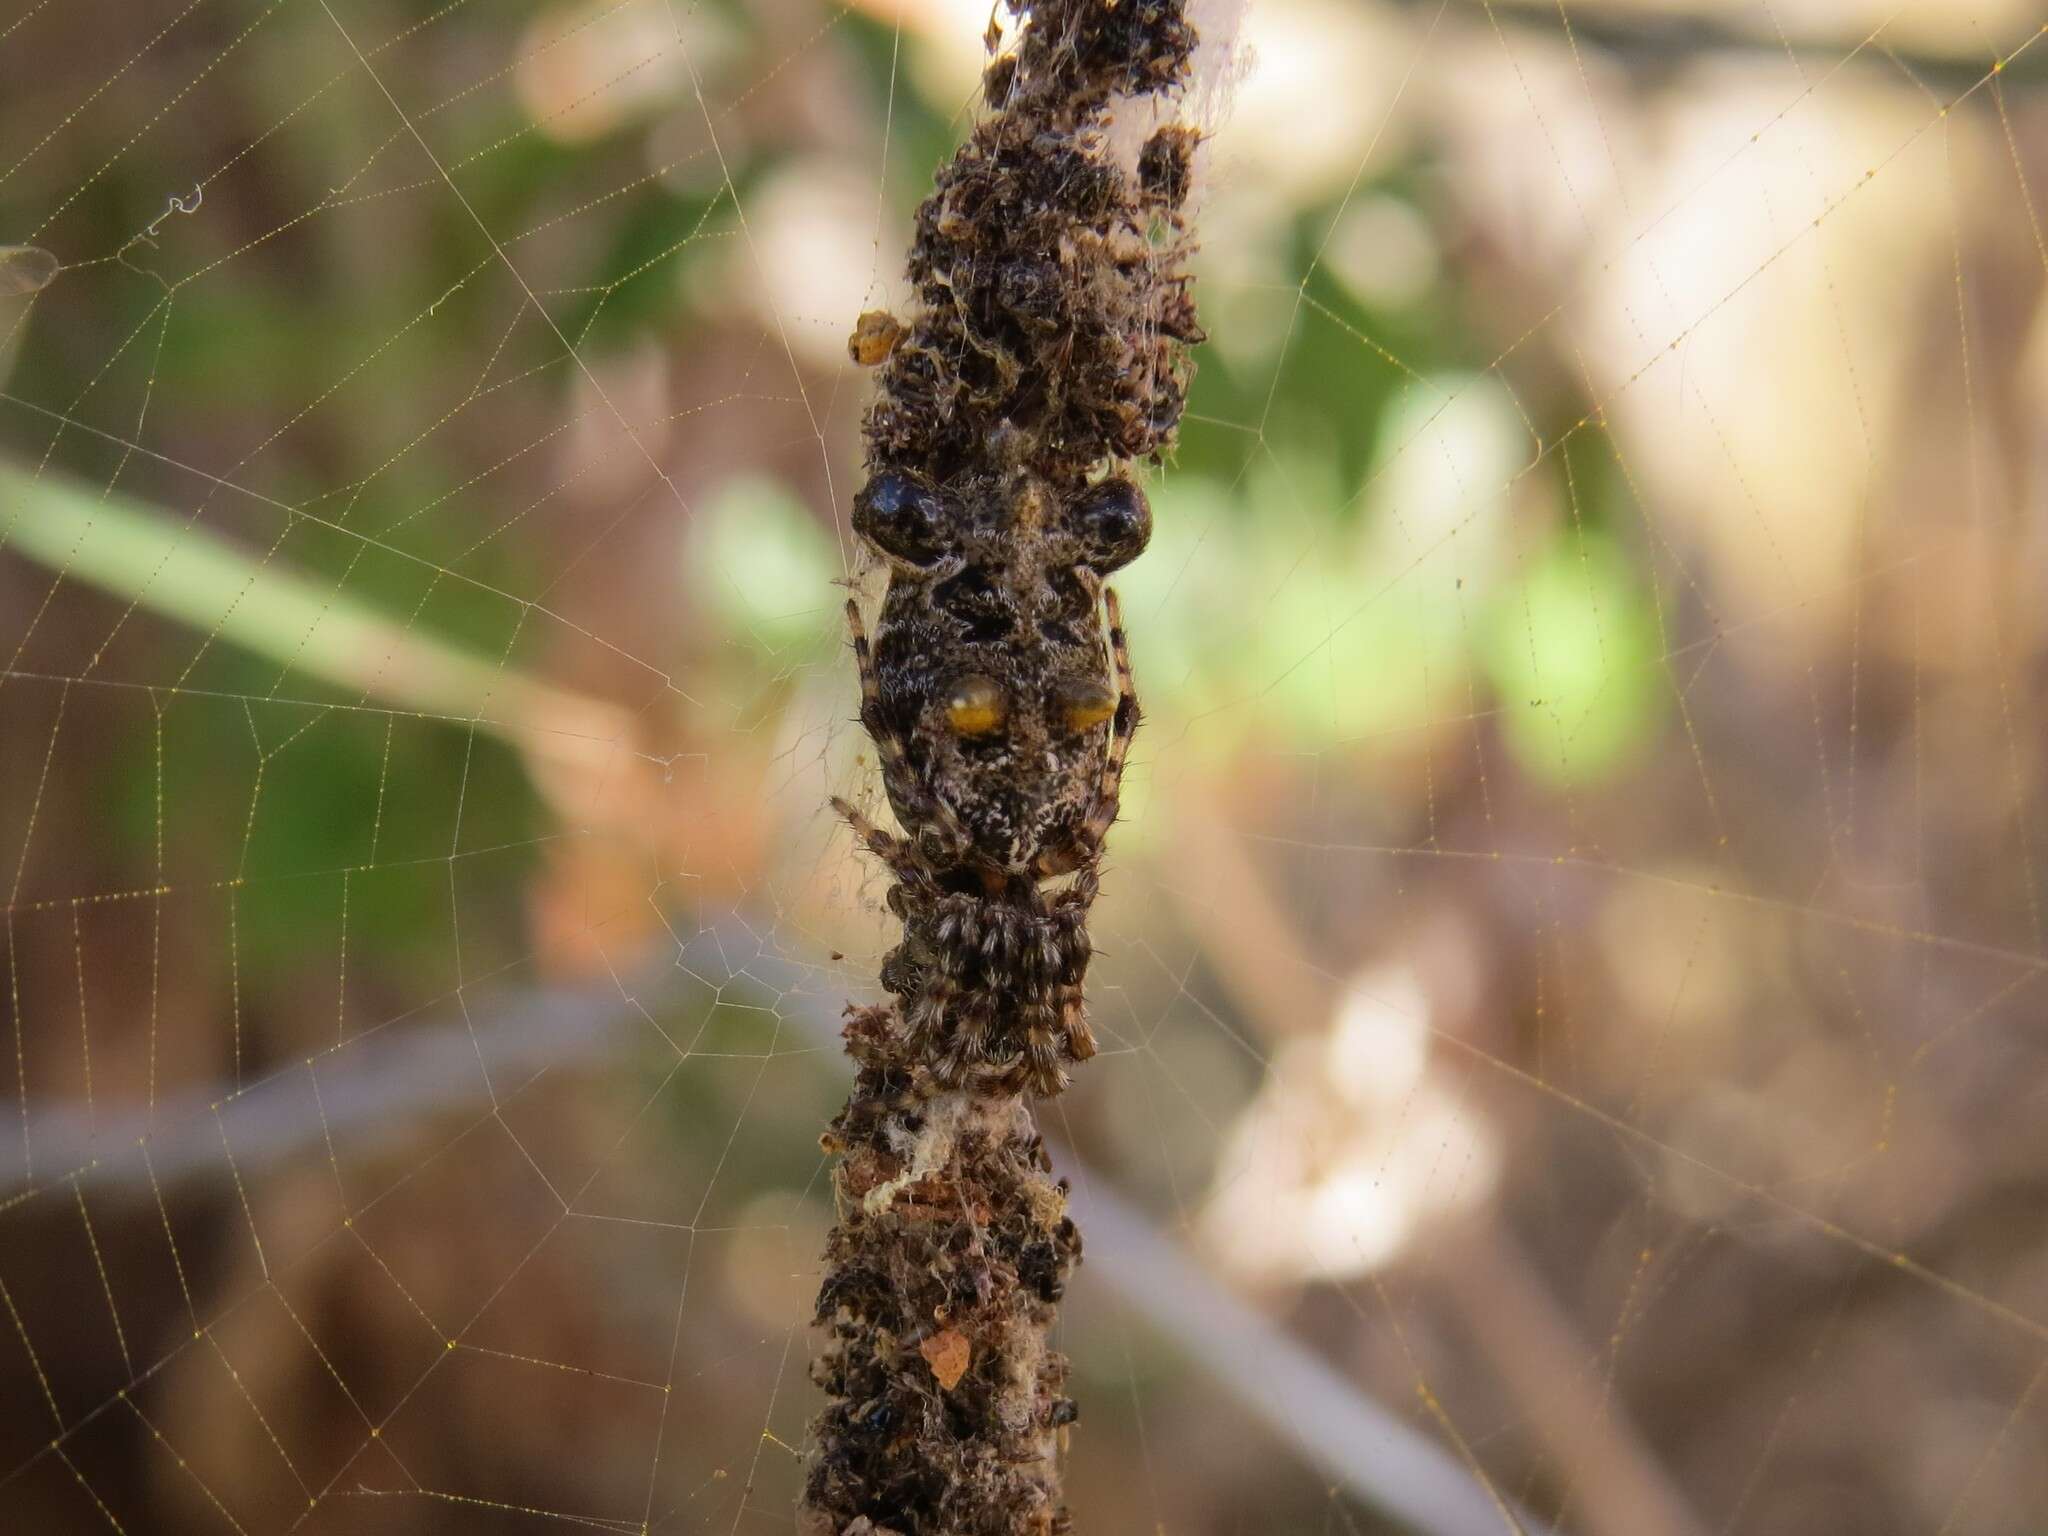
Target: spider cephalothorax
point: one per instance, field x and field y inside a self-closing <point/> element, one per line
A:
<point x="988" y="686"/>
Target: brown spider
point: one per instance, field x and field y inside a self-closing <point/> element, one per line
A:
<point x="1002" y="747"/>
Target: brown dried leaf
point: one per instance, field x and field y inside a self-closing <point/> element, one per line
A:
<point x="948" y="1354"/>
<point x="875" y="335"/>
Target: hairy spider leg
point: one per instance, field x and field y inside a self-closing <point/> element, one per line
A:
<point x="1085" y="841"/>
<point x="898" y="776"/>
<point x="1078" y="898"/>
<point x="893" y="851"/>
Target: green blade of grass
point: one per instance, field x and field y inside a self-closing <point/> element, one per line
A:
<point x="182" y="572"/>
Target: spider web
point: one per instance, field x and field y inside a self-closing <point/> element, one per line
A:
<point x="1570" y="961"/>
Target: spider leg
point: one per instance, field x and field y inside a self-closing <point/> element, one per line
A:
<point x="1127" y="712"/>
<point x="926" y="1016"/>
<point x="1086" y="840"/>
<point x="895" y="757"/>
<point x="1080" y="1039"/>
<point x="1082" y="893"/>
<point x="893" y="851"/>
<point x="899" y="777"/>
<point x="1073" y="951"/>
<point x="1042" y="1068"/>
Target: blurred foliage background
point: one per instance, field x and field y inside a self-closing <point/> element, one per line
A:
<point x="1572" y="954"/>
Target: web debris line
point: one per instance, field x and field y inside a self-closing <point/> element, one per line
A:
<point x="1050" y="338"/>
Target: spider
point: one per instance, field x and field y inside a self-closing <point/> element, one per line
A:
<point x="1002" y="745"/>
